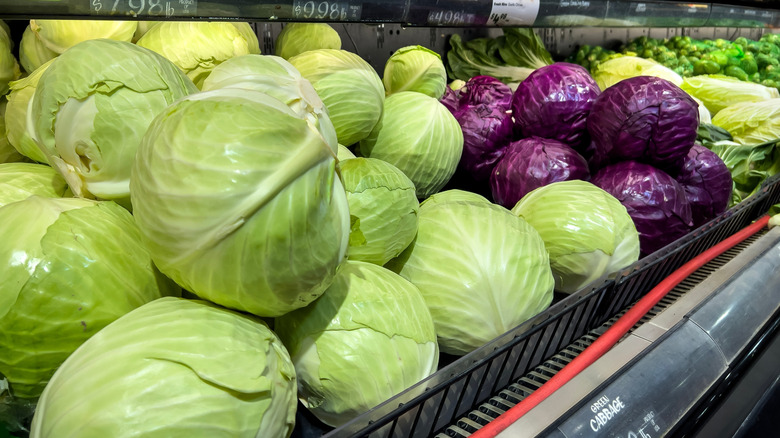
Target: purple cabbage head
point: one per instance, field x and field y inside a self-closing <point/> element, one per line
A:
<point x="646" y="119"/>
<point x="707" y="183"/>
<point x="486" y="90"/>
<point x="554" y="102"/>
<point x="451" y="99"/>
<point x="654" y="200"/>
<point x="487" y="129"/>
<point x="531" y="163"/>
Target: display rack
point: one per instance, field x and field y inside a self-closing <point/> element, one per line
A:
<point x="447" y="13"/>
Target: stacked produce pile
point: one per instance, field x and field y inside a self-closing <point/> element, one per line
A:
<point x="200" y="236"/>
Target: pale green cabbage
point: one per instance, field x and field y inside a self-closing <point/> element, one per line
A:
<point x="173" y="368"/>
<point x="415" y="68"/>
<point x="614" y="70"/>
<point x="8" y="154"/>
<point x="60" y="35"/>
<point x="481" y="269"/>
<point x="238" y="200"/>
<point x="70" y="267"/>
<point x="198" y="46"/>
<point x="143" y="27"/>
<point x="587" y="232"/>
<point x="276" y="77"/>
<point x="344" y="153"/>
<point x="383" y="209"/>
<point x="350" y="88"/>
<point x="296" y="38"/>
<point x="369" y="337"/>
<point x="19" y="126"/>
<point x="9" y="68"/>
<point x="720" y="91"/>
<point x="19" y="181"/>
<point x="32" y="52"/>
<point x="751" y="123"/>
<point x="420" y="136"/>
<point x="89" y="121"/>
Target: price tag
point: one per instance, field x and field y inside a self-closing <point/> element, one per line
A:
<point x="326" y="10"/>
<point x="574" y="4"/>
<point x="450" y="18"/>
<point x="514" y="12"/>
<point x="144" y="8"/>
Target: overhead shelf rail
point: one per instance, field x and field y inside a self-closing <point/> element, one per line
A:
<point x="429" y="13"/>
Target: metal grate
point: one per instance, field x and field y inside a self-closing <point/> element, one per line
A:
<point x="524" y="386"/>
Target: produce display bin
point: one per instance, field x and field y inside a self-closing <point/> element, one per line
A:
<point x="522" y="359"/>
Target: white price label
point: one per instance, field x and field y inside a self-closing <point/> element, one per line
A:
<point x="514" y="12"/>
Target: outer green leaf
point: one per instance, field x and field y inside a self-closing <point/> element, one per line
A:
<point x="19" y="123"/>
<point x="481" y="269"/>
<point x="32" y="52"/>
<point x="587" y="232"/>
<point x="720" y="91"/>
<point x="369" y="337"/>
<point x="383" y="200"/>
<point x="239" y="201"/>
<point x="415" y="68"/>
<point x="198" y="46"/>
<point x="89" y="121"/>
<point x="751" y="123"/>
<point x="480" y="57"/>
<point x="420" y="136"/>
<point x="750" y="165"/>
<point x="7" y="152"/>
<point x="9" y="68"/>
<point x="350" y="88"/>
<point x="173" y="368"/>
<point x="610" y="72"/>
<point x="296" y="38"/>
<point x="344" y="153"/>
<point x="60" y="35"/>
<point x="19" y="181"/>
<point x="71" y="266"/>
<point x="523" y="48"/>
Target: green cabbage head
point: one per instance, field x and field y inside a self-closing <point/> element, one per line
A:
<point x="198" y="46"/>
<point x="751" y="123"/>
<point x="420" y="136"/>
<point x="239" y="201"/>
<point x="415" y="68"/>
<point x="587" y="232"/>
<point x="350" y="88"/>
<point x="720" y="91"/>
<point x="9" y="68"/>
<point x="383" y="209"/>
<point x="276" y="77"/>
<point x="612" y="71"/>
<point x="369" y="337"/>
<point x="19" y="126"/>
<point x="89" y="121"/>
<point x="8" y="154"/>
<point x="481" y="269"/>
<point x="19" y="181"/>
<point x="32" y="52"/>
<point x="173" y="368"/>
<point x="70" y="267"/>
<point x="60" y="35"/>
<point x="296" y="38"/>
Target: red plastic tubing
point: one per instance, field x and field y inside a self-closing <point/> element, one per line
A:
<point x="615" y="332"/>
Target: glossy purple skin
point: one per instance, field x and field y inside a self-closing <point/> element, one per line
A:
<point x="487" y="90"/>
<point x="554" y="102"/>
<point x="646" y="119"/>
<point x="707" y="184"/>
<point x="531" y="163"/>
<point x="487" y="130"/>
<point x="654" y="200"/>
<point x="451" y="99"/>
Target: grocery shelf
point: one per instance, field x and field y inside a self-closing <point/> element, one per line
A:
<point x="435" y="13"/>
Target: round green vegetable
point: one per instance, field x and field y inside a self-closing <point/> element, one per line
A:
<point x="19" y="181"/>
<point x="296" y="38"/>
<point x="415" y="68"/>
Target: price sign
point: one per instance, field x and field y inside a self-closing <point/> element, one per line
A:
<point x="514" y="12"/>
<point x="141" y="8"/>
<point x="450" y="18"/>
<point x="326" y="10"/>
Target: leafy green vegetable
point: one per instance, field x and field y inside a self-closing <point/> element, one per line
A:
<point x="750" y="165"/>
<point x="9" y="68"/>
<point x="70" y="267"/>
<point x="481" y="269"/>
<point x="480" y="57"/>
<point x="60" y="35"/>
<point x="32" y="52"/>
<point x="296" y="38"/>
<point x="19" y="126"/>
<point x="420" y="136"/>
<point x="173" y="367"/>
<point x="369" y="337"/>
<point x="611" y="72"/>
<point x="19" y="181"/>
<point x="383" y="201"/>
<point x="587" y="232"/>
<point x="8" y="154"/>
<point x="239" y="202"/>
<point x="523" y="48"/>
<point x="720" y="91"/>
<point x="751" y="123"/>
<point x="415" y="68"/>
